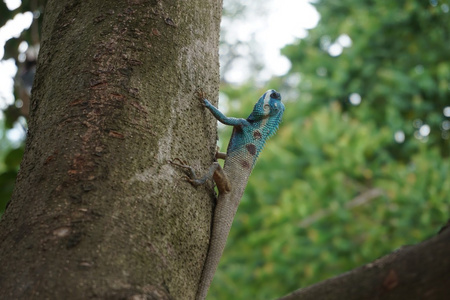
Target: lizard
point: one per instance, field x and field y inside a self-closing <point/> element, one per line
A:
<point x="247" y="140"/>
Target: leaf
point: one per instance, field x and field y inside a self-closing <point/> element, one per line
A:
<point x="13" y="158"/>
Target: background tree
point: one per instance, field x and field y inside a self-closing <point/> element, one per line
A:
<point x="96" y="210"/>
<point x="360" y="164"/>
<point x="20" y="50"/>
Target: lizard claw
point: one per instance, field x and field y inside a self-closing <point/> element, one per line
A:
<point x="201" y="95"/>
<point x="186" y="178"/>
<point x="180" y="163"/>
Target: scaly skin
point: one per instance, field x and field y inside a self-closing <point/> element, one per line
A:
<point x="247" y="141"/>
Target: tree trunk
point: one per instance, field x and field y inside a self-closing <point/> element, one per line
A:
<point x="97" y="213"/>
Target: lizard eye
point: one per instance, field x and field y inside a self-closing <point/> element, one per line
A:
<point x="275" y="95"/>
<point x="266" y="106"/>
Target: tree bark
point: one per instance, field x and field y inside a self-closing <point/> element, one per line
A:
<point x="419" y="272"/>
<point x="97" y="213"/>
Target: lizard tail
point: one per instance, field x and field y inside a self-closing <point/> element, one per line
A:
<point x="223" y="218"/>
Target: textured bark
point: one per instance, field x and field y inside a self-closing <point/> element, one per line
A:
<point x="420" y="272"/>
<point x="97" y="213"/>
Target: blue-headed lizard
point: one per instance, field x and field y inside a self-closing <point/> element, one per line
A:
<point x="247" y="140"/>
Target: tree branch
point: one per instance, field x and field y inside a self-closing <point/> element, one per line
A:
<point x="359" y="200"/>
<point x="421" y="272"/>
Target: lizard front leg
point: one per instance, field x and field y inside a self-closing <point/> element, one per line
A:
<point x="218" y="114"/>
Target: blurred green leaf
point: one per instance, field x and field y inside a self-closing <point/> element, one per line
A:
<point x="7" y="180"/>
<point x="13" y="158"/>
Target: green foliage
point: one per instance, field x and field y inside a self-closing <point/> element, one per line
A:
<point x="397" y="63"/>
<point x="32" y="35"/>
<point x="11" y="155"/>
<point x="10" y="158"/>
<point x="326" y="197"/>
<point x="333" y="189"/>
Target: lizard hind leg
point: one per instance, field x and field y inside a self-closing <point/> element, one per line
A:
<point x="215" y="172"/>
<point x="182" y="164"/>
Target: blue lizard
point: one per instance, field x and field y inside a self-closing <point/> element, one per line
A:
<point x="247" y="140"/>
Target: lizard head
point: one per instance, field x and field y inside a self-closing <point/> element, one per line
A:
<point x="261" y="124"/>
<point x="268" y="112"/>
